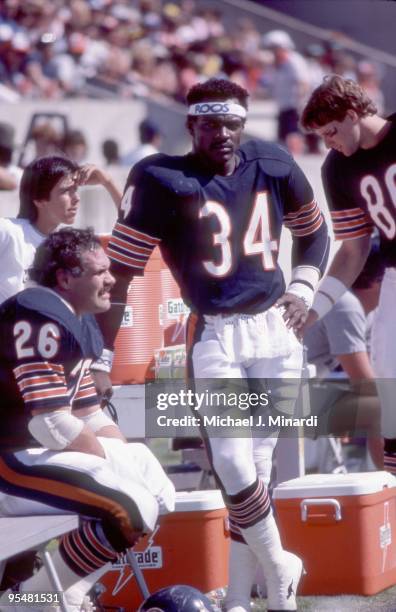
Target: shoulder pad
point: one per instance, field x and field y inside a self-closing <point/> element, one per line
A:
<point x="152" y="160"/>
<point x="169" y="172"/>
<point x="274" y="159"/>
<point x="85" y="330"/>
<point x="254" y="149"/>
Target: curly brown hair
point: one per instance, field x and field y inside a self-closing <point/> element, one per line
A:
<point x="331" y="101"/>
<point x="62" y="250"/>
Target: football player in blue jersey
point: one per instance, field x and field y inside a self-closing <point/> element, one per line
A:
<point x="359" y="177"/>
<point x="217" y="214"/>
<point x="58" y="450"/>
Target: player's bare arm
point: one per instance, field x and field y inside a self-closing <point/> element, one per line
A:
<point x="360" y="371"/>
<point x="350" y="259"/>
<point x="344" y="269"/>
<point x="90" y="174"/>
<point x="99" y="422"/>
<point x="86" y="442"/>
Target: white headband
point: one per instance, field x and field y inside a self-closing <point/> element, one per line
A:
<point x="217" y="108"/>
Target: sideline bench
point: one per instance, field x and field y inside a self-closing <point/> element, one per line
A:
<point x="21" y="533"/>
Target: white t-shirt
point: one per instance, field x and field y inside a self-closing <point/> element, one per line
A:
<point x="19" y="240"/>
<point x="287" y="81"/>
<point x="142" y="151"/>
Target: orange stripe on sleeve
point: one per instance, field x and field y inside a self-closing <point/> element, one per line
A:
<point x="38" y="366"/>
<point x="141" y="236"/>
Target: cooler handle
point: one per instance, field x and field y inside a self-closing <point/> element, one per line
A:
<point x="323" y="501"/>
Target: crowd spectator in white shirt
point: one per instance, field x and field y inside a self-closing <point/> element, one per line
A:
<point x="150" y="140"/>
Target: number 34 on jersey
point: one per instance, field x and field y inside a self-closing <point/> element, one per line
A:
<point x="256" y="241"/>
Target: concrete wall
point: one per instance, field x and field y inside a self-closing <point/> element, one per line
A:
<point x="119" y="120"/>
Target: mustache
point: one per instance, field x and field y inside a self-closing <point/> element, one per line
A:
<point x="221" y="143"/>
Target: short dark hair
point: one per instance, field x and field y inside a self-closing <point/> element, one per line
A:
<point x="38" y="180"/>
<point x="332" y="100"/>
<point x="110" y="151"/>
<point x="5" y="155"/>
<point x="74" y="137"/>
<point x="217" y="89"/>
<point x="148" y="130"/>
<point x="62" y="250"/>
<point x="7" y="144"/>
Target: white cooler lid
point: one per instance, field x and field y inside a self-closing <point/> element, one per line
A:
<point x="191" y="501"/>
<point x="324" y="485"/>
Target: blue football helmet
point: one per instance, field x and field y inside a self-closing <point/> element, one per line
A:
<point x="178" y="598"/>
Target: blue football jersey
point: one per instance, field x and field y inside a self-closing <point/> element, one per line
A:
<point x="45" y="356"/>
<point x="219" y="235"/>
<point x="361" y="192"/>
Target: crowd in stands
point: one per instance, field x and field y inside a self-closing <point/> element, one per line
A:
<point x="129" y="48"/>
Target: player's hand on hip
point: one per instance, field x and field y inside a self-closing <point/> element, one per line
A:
<point x="295" y="311"/>
<point x="103" y="384"/>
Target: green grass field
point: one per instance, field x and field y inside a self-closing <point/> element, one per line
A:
<point x="384" y="602"/>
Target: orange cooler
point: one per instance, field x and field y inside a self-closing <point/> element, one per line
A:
<point x="173" y="311"/>
<point x="343" y="526"/>
<point x="154" y="317"/>
<point x="141" y="331"/>
<point x="189" y="547"/>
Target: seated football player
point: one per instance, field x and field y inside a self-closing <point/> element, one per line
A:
<point x="59" y="452"/>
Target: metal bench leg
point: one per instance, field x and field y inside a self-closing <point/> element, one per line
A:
<point x="138" y="573"/>
<point x="2" y="568"/>
<point x="54" y="579"/>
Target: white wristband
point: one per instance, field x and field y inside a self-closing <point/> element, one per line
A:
<point x="303" y="283"/>
<point x="105" y="362"/>
<point x="329" y="292"/>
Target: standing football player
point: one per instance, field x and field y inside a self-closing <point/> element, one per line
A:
<point x="58" y="450"/>
<point x="359" y="178"/>
<point x="217" y="214"/>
